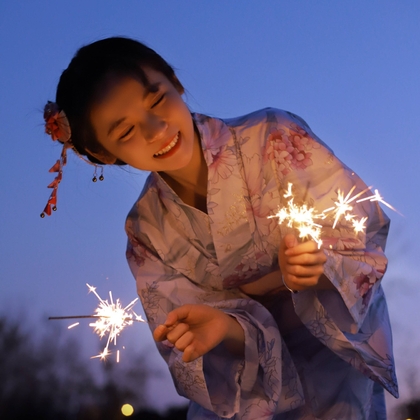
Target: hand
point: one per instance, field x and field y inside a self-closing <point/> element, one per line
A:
<point x="197" y="329"/>
<point x="302" y="264"/>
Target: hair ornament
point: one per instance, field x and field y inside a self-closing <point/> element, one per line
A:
<point x="56" y="123"/>
<point x="58" y="128"/>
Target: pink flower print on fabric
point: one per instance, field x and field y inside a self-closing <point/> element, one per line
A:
<point x="220" y="160"/>
<point x="235" y="280"/>
<point x="220" y="163"/>
<point x="280" y="150"/>
<point x="342" y="243"/>
<point x="137" y="252"/>
<point x="290" y="149"/>
<point x="247" y="269"/>
<point x="366" y="279"/>
<point x="364" y="283"/>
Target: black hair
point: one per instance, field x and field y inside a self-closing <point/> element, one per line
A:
<point x="90" y="72"/>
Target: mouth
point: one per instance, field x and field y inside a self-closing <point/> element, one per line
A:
<point x="167" y="148"/>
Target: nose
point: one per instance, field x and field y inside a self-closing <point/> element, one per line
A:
<point x="154" y="128"/>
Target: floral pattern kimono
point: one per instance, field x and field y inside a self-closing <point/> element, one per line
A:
<point x="336" y="364"/>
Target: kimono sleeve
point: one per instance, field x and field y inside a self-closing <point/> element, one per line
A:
<point x="352" y="319"/>
<point x="356" y="261"/>
<point x="217" y="381"/>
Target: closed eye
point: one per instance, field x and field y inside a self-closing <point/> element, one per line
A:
<point x="125" y="134"/>
<point x="159" y="100"/>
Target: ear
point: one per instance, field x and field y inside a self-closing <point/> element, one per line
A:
<point x="103" y="157"/>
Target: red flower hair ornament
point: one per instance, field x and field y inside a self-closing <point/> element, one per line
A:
<point x="58" y="127"/>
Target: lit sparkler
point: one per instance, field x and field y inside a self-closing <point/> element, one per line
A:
<point x="304" y="218"/>
<point x="111" y="318"/>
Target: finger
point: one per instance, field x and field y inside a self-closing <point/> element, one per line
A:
<point x="301" y="248"/>
<point x="316" y="258"/>
<point x="177" y="315"/>
<point x="174" y="334"/>
<point x="301" y="283"/>
<point x="190" y="354"/>
<point x="159" y="334"/>
<point x="290" y="241"/>
<point x="301" y="271"/>
<point x="184" y="341"/>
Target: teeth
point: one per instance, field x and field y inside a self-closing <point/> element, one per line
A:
<point x="168" y="147"/>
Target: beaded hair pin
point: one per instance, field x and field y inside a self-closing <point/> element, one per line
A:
<point x="58" y="127"/>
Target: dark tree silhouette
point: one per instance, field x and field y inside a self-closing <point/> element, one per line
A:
<point x="409" y="410"/>
<point x="46" y="378"/>
<point x="41" y="381"/>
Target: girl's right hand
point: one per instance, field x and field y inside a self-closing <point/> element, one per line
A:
<point x="197" y="329"/>
<point x="302" y="264"/>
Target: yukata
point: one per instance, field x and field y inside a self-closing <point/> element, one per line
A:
<point x="336" y="362"/>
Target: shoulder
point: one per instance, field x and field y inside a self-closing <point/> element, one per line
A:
<point x="263" y="116"/>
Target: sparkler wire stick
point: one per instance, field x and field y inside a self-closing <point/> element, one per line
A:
<point x="91" y="316"/>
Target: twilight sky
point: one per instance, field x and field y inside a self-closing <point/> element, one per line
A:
<point x="350" y="69"/>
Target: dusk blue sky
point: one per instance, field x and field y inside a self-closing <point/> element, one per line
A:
<point x="349" y="68"/>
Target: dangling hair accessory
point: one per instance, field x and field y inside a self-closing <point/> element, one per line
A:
<point x="58" y="127"/>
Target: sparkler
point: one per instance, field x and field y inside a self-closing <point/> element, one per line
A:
<point x="304" y="218"/>
<point x="111" y="318"/>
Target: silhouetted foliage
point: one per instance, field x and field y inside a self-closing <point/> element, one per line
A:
<point x="179" y="413"/>
<point x="409" y="410"/>
<point x="46" y="378"/>
<point x="41" y="381"/>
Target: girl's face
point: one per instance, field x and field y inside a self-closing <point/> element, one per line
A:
<point x="149" y="128"/>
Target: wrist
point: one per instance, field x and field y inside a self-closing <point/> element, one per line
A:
<point x="234" y="340"/>
<point x="286" y="286"/>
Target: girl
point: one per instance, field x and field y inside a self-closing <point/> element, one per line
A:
<point x="253" y="323"/>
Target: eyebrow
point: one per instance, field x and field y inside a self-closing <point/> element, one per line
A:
<point x="151" y="88"/>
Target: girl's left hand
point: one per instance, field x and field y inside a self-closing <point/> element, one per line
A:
<point x="302" y="264"/>
<point x="195" y="329"/>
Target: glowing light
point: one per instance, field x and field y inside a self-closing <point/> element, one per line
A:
<point x="359" y="225"/>
<point x="304" y="218"/>
<point x="73" y="325"/>
<point x="301" y="218"/>
<point x="127" y="410"/>
<point x="111" y="318"/>
<point x="379" y="198"/>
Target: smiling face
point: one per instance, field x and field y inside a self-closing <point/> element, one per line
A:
<point x="148" y="127"/>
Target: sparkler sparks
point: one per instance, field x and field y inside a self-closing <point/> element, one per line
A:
<point x="111" y="318"/>
<point x="303" y="218"/>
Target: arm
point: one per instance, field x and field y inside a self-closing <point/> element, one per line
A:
<point x="355" y="263"/>
<point x="230" y="348"/>
<point x="351" y="319"/>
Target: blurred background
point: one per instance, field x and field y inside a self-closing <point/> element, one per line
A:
<point x="350" y="69"/>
